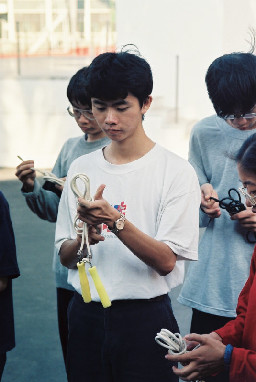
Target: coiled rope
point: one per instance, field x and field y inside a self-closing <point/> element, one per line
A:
<point x="173" y="342"/>
<point x="84" y="257"/>
<point x="81" y="228"/>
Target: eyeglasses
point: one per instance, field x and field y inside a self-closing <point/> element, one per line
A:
<point x="252" y="199"/>
<point x="231" y="117"/>
<point x="76" y="113"/>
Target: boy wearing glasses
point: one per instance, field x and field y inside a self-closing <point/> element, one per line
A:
<point x="44" y="200"/>
<point x="212" y="284"/>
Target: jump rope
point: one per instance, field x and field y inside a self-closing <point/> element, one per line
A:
<point x="233" y="206"/>
<point x="84" y="253"/>
<point x="174" y="343"/>
<point x="81" y="228"/>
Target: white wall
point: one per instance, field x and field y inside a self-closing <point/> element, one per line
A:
<point x="34" y="122"/>
<point x="33" y="119"/>
<point x="197" y="31"/>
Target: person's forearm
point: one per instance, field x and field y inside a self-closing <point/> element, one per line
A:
<point x="152" y="252"/>
<point x="68" y="253"/>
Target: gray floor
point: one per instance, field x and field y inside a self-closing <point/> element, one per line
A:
<point x="37" y="356"/>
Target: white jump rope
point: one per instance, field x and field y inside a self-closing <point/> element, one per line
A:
<point x="82" y="229"/>
<point x="173" y="342"/>
<point x="84" y="253"/>
<point x="47" y="176"/>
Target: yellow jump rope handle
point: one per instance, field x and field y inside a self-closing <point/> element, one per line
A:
<point x="100" y="287"/>
<point x="85" y="288"/>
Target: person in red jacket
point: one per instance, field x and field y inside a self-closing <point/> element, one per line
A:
<point x="234" y="345"/>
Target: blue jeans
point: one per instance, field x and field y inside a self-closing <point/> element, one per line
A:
<point x="117" y="344"/>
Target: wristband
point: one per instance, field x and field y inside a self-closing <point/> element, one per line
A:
<point x="228" y="355"/>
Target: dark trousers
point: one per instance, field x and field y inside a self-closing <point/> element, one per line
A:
<point x="2" y="363"/>
<point x="117" y="344"/>
<point x="203" y="323"/>
<point x="64" y="296"/>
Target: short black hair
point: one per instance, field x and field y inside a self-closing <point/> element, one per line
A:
<point x="113" y="75"/>
<point x="231" y="83"/>
<point x="77" y="88"/>
<point x="246" y="155"/>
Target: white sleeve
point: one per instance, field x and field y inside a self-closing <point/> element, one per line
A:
<point x="66" y="215"/>
<point x="178" y="221"/>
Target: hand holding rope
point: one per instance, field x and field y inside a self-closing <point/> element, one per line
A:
<point x="47" y="176"/>
<point x="234" y="206"/>
<point x="174" y="342"/>
<point x="85" y="257"/>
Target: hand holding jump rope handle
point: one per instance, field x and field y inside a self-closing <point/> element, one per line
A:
<point x="83" y="231"/>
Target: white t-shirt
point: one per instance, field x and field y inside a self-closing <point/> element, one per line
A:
<point x="159" y="193"/>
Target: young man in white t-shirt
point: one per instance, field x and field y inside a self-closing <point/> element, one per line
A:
<point x="146" y="200"/>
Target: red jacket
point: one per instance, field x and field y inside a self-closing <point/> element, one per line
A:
<point x="241" y="332"/>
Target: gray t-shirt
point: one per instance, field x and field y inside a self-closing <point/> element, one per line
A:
<point x="213" y="283"/>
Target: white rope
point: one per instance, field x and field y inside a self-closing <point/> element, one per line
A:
<point x="50" y="177"/>
<point x="82" y="230"/>
<point x="47" y="176"/>
<point x="173" y="342"/>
